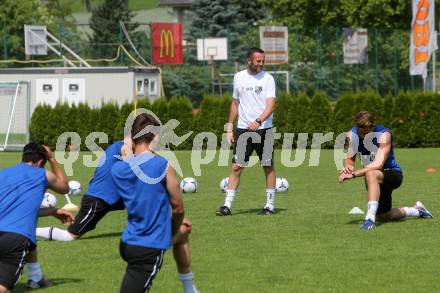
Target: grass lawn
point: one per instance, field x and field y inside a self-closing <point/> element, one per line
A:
<point x="79" y="5"/>
<point x="310" y="245"/>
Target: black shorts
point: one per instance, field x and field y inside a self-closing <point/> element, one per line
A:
<point x="392" y="179"/>
<point x="92" y="210"/>
<point x="143" y="264"/>
<point x="13" y="251"/>
<point x="261" y="140"/>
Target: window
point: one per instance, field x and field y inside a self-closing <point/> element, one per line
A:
<point x="153" y="87"/>
<point x="139" y="87"/>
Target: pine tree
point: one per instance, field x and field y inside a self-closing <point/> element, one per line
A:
<point x="224" y="18"/>
<point x="107" y="33"/>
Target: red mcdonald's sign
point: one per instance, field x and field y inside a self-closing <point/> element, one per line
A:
<point x="167" y="43"/>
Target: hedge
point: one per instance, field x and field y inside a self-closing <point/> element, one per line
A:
<point x="413" y="117"/>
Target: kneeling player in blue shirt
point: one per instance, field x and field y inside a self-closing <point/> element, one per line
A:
<point x="374" y="145"/>
<point x="21" y="193"/>
<point x="100" y="198"/>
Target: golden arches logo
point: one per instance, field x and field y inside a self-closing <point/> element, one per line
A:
<point x="166" y="43"/>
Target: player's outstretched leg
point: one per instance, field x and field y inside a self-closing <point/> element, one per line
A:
<point x="416" y="211"/>
<point x="91" y="212"/>
<point x="54" y="233"/>
<point x="423" y="211"/>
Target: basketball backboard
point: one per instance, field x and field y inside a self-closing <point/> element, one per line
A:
<point x="35" y="39"/>
<point x="212" y="49"/>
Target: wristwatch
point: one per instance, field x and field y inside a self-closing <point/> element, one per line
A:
<point x="352" y="174"/>
<point x="258" y="120"/>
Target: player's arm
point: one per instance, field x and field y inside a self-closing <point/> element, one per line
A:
<point x="381" y="156"/>
<point x="127" y="148"/>
<point x="233" y="113"/>
<point x="350" y="160"/>
<point x="175" y="196"/>
<point x="56" y="179"/>
<point x="270" y="108"/>
<point x="351" y="156"/>
<point x="64" y="216"/>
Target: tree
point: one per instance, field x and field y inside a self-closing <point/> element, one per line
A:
<point x="192" y="81"/>
<point x="88" y="5"/>
<point x="15" y="14"/>
<point x="356" y="13"/>
<point x="224" y="18"/>
<point x="315" y="43"/>
<point x="107" y="33"/>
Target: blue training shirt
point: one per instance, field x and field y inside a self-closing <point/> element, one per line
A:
<point x="21" y="193"/>
<point x="102" y="185"/>
<point x="147" y="204"/>
<point x="368" y="157"/>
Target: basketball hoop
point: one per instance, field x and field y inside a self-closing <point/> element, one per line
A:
<point x="211" y="53"/>
<point x="210" y="59"/>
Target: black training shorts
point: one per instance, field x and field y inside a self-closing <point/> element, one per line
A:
<point x="261" y="140"/>
<point x="13" y="251"/>
<point x="143" y="264"/>
<point x="92" y="210"/>
<point x="392" y="179"/>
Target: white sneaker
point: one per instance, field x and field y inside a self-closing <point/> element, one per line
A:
<point x="424" y="213"/>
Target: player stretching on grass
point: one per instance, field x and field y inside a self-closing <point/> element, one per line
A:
<point x="21" y="193"/>
<point x="374" y="144"/>
<point x="149" y="188"/>
<point x="102" y="197"/>
<point x="253" y="103"/>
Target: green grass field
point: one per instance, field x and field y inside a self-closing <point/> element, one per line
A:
<point x="310" y="245"/>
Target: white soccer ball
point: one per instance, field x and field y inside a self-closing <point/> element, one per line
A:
<point x="282" y="185"/>
<point x="188" y="185"/>
<point x="75" y="187"/>
<point x="49" y="200"/>
<point x="224" y="184"/>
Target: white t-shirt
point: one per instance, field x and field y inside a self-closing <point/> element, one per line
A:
<point x="251" y="91"/>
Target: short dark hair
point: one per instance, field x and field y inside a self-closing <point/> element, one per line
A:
<point x="143" y="120"/>
<point x="33" y="152"/>
<point x="364" y="119"/>
<point x="252" y="51"/>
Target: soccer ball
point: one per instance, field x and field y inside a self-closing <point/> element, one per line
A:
<point x="49" y="200"/>
<point x="75" y="187"/>
<point x="224" y="184"/>
<point x="188" y="185"/>
<point x="282" y="185"/>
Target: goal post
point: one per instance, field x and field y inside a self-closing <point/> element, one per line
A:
<point x="15" y="103"/>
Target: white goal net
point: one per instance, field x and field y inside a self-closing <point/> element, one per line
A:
<point x="14" y="114"/>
